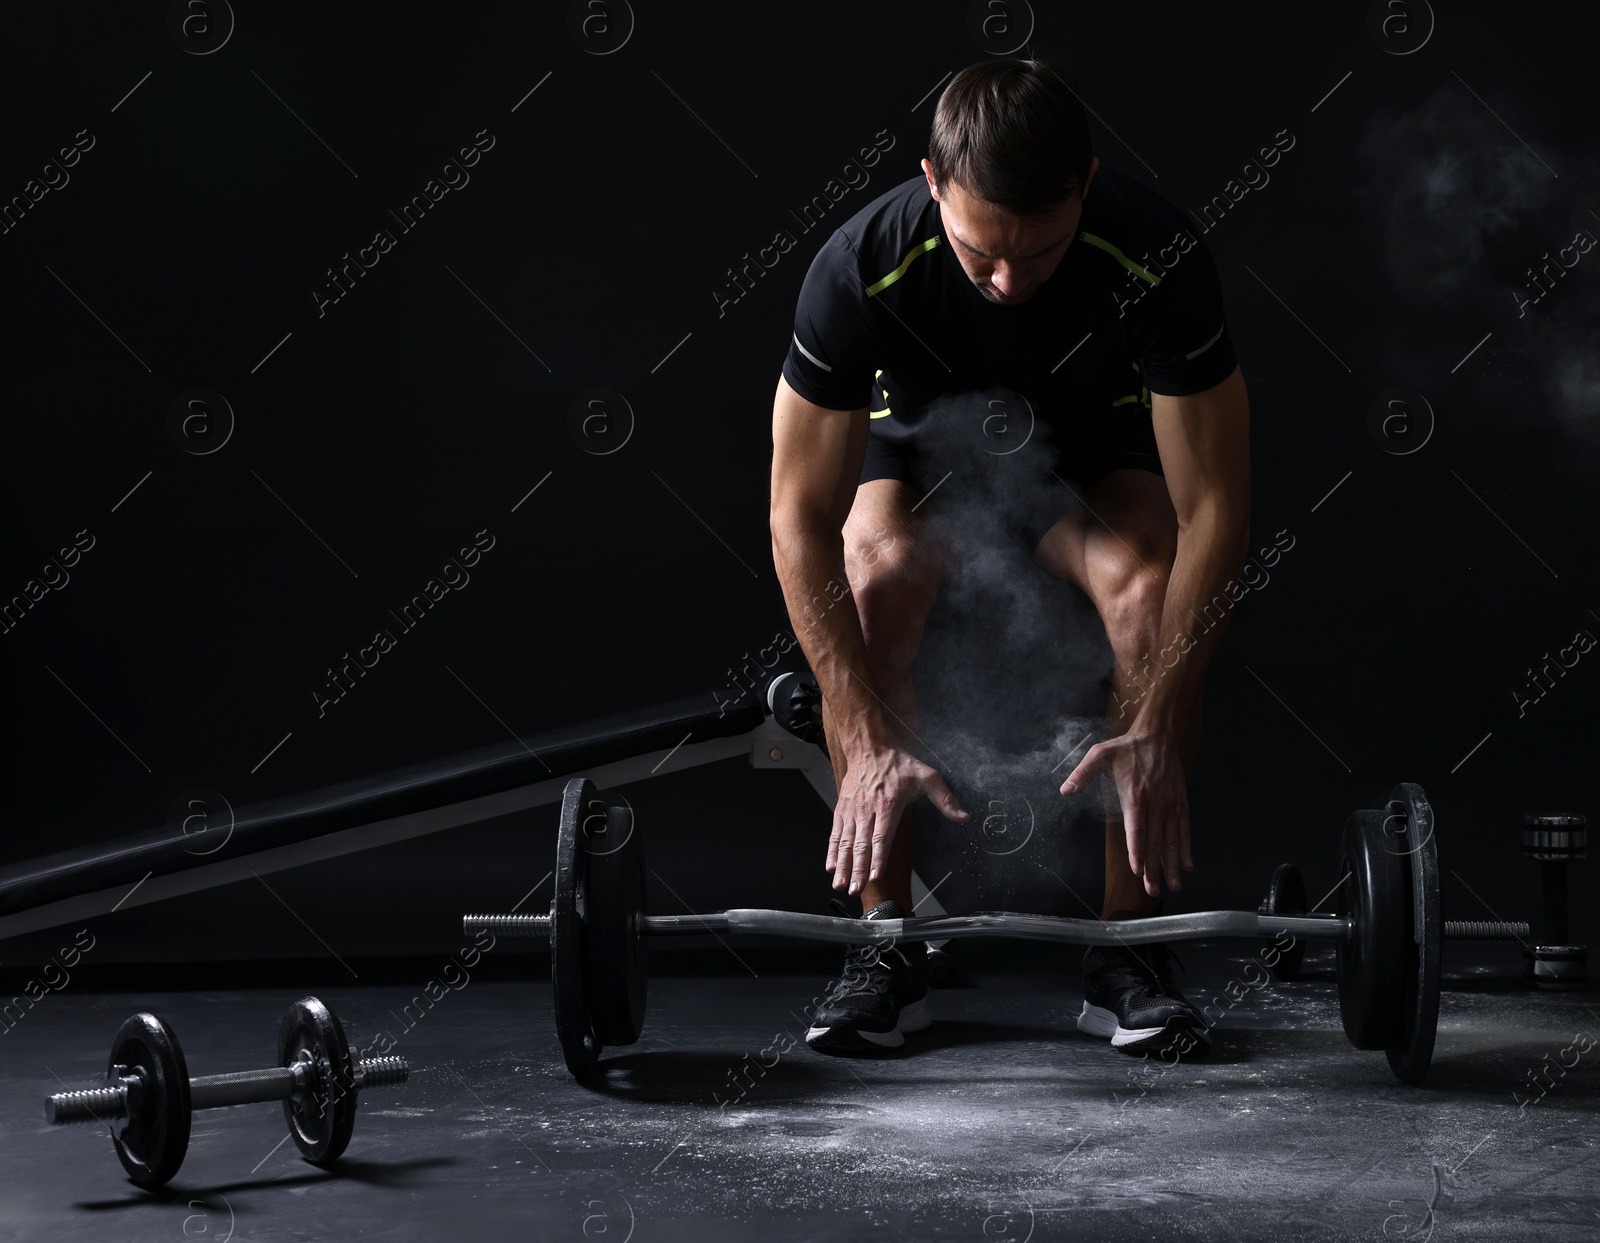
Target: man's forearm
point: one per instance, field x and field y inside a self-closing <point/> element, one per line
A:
<point x="810" y="564"/>
<point x="1211" y="549"/>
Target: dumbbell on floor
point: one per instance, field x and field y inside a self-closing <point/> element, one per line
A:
<point x="1556" y="842"/>
<point x="1386" y="926"/>
<point x="148" y="1087"/>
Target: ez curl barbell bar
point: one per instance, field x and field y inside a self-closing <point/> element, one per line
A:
<point x="1385" y="925"/>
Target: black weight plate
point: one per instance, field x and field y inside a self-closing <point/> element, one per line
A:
<point x="616" y="971"/>
<point x="1412" y="1049"/>
<point x="1285" y="896"/>
<point x="1375" y="894"/>
<point x="322" y="1119"/>
<point x="152" y="1144"/>
<point x="574" y="1028"/>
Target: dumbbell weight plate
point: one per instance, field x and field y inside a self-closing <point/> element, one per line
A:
<point x="580" y="1045"/>
<point x="1375" y="895"/>
<point x="1412" y="1049"/>
<point x="1286" y="896"/>
<point x="616" y="968"/>
<point x="151" y="1146"/>
<point x="322" y="1121"/>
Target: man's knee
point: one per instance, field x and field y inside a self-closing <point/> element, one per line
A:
<point x="894" y="589"/>
<point x="1134" y="588"/>
<point x="894" y="597"/>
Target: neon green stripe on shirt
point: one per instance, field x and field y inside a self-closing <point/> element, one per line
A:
<point x="1102" y="244"/>
<point x="878" y="287"/>
<point x="885" y="412"/>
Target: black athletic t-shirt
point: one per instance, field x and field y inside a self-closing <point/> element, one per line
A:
<point x="888" y="319"/>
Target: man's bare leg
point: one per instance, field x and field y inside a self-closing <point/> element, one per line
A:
<point x="894" y="576"/>
<point x="1119" y="549"/>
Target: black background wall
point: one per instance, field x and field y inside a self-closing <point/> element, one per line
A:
<point x="1434" y="160"/>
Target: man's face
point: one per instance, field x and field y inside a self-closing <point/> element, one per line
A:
<point x="1008" y="257"/>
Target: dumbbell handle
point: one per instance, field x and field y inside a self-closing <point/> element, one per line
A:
<point x="242" y="1087"/>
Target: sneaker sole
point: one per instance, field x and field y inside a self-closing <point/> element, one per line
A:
<point x="916" y="1017"/>
<point x="1096" y="1021"/>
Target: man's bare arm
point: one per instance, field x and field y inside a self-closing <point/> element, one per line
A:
<point x="816" y="460"/>
<point x="1204" y="440"/>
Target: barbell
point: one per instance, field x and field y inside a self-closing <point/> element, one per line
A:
<point x="1385" y="926"/>
<point x="148" y="1087"/>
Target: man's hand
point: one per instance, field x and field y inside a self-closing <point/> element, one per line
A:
<point x="1148" y="771"/>
<point x="879" y="784"/>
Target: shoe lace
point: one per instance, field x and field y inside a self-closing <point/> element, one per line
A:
<point x="864" y="965"/>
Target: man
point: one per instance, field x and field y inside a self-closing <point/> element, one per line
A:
<point x="1013" y="263"/>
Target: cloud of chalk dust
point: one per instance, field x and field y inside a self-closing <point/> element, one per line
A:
<point x="1466" y="216"/>
<point x="1012" y="673"/>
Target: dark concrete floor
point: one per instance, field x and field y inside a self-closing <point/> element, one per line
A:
<point x="1001" y="1123"/>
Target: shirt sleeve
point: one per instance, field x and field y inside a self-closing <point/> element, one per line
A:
<point x="830" y="354"/>
<point x="1183" y="341"/>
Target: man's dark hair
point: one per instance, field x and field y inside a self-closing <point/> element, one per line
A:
<point x="1012" y="133"/>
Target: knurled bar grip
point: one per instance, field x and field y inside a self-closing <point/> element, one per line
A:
<point x="244" y="1087"/>
<point x="953" y="927"/>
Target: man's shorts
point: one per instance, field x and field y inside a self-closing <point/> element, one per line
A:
<point x="1026" y="489"/>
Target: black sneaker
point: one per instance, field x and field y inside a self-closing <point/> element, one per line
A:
<point x="881" y="994"/>
<point x="1130" y="999"/>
